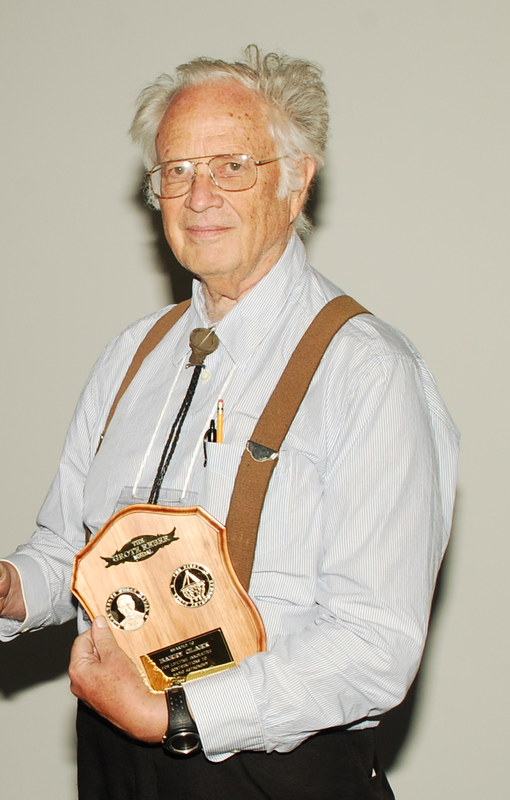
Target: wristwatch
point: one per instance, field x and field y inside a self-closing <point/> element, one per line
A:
<point x="182" y="737"/>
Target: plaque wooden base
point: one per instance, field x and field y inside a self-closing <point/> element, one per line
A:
<point x="164" y="580"/>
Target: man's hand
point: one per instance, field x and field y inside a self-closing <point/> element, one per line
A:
<point x="107" y="680"/>
<point x="12" y="604"/>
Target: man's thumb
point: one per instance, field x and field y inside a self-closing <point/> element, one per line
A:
<point x="102" y="636"/>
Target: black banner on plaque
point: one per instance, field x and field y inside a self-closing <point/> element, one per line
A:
<point x="202" y="652"/>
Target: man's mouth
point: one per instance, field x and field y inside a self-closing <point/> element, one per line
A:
<point x="206" y="231"/>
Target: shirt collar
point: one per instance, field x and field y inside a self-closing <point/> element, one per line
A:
<point x="247" y="323"/>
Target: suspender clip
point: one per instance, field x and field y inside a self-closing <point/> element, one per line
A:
<point x="259" y="452"/>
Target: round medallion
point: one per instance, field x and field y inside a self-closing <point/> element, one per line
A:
<point x="127" y="609"/>
<point x="192" y="585"/>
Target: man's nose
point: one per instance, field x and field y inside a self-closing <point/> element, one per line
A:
<point x="203" y="193"/>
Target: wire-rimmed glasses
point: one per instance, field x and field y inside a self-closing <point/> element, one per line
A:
<point x="232" y="172"/>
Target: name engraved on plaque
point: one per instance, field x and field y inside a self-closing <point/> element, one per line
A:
<point x="204" y="652"/>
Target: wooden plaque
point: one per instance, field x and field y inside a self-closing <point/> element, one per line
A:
<point x="164" y="580"/>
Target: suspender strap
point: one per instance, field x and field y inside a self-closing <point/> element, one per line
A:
<point x="260" y="456"/>
<point x="153" y="338"/>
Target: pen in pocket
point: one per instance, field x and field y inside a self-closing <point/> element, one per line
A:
<point x="209" y="436"/>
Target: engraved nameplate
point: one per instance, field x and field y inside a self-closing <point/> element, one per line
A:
<point x="208" y="651"/>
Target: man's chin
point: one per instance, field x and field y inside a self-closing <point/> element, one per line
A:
<point x="211" y="270"/>
<point x="209" y="258"/>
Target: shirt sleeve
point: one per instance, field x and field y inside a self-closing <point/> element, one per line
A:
<point x="385" y="517"/>
<point x="45" y="562"/>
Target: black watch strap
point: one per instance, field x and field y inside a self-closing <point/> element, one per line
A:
<point x="182" y="737"/>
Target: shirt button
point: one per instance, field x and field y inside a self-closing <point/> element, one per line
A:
<point x="205" y="375"/>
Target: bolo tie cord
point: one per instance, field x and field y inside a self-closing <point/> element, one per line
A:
<point x="173" y="436"/>
<point x="202" y="342"/>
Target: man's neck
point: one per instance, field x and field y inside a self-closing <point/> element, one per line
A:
<point x="222" y="293"/>
<point x="216" y="309"/>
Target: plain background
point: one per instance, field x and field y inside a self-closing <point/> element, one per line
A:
<point x="412" y="219"/>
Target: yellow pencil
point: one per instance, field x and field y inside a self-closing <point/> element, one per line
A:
<point x="219" y="422"/>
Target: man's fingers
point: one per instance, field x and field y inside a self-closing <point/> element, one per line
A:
<point x="83" y="649"/>
<point x="84" y="657"/>
<point x="12" y="603"/>
<point x="5" y="579"/>
<point x="5" y="585"/>
<point x="94" y="644"/>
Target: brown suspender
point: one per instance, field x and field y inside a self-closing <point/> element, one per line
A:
<point x="153" y="338"/>
<point x="253" y="475"/>
<point x="260" y="456"/>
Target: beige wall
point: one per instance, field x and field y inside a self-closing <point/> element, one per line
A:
<point x="413" y="221"/>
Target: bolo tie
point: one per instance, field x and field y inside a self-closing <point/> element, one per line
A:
<point x="202" y="341"/>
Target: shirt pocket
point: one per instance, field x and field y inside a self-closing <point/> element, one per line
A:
<point x="219" y="475"/>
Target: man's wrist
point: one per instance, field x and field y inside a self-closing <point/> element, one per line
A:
<point x="182" y="737"/>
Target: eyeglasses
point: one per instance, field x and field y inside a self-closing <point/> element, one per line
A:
<point x="231" y="172"/>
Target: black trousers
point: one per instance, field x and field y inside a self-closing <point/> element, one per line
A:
<point x="333" y="765"/>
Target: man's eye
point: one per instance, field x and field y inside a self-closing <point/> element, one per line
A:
<point x="230" y="169"/>
<point x="177" y="171"/>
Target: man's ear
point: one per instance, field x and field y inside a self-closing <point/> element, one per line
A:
<point x="304" y="170"/>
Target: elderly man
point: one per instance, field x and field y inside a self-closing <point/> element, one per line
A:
<point x="358" y="511"/>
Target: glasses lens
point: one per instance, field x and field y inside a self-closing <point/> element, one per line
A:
<point x="233" y="173"/>
<point x="172" y="179"/>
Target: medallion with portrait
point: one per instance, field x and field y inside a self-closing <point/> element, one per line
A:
<point x="127" y="609"/>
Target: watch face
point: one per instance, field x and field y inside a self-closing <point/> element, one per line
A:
<point x="184" y="743"/>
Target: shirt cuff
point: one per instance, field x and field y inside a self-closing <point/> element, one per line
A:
<point x="225" y="713"/>
<point x="35" y="594"/>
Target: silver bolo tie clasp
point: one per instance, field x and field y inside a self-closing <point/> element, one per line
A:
<point x="260" y="452"/>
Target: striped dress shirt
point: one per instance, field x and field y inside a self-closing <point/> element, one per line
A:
<point x="353" y="529"/>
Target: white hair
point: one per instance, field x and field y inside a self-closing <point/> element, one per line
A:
<point x="292" y="88"/>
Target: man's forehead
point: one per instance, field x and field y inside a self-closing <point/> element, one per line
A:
<point x="212" y="115"/>
<point x="224" y="95"/>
